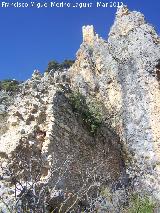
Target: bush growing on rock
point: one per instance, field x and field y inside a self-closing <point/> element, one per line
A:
<point x="9" y="85"/>
<point x="89" y="113"/>
<point x="54" y="65"/>
<point x="66" y="64"/>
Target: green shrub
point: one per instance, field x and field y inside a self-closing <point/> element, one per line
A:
<point x="89" y="113"/>
<point x="9" y="85"/>
<point x="140" y="204"/>
<point x="66" y="64"/>
<point x="54" y="65"/>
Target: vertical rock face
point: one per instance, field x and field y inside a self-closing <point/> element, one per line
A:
<point x="136" y="47"/>
<point x="123" y="74"/>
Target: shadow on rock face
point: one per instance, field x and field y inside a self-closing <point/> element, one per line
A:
<point x="94" y="160"/>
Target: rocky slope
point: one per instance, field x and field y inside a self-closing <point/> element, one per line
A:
<point x="111" y="141"/>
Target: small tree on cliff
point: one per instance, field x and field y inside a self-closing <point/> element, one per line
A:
<point x="54" y="65"/>
<point x="9" y="85"/>
<point x="66" y="64"/>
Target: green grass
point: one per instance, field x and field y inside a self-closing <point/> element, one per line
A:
<point x="140" y="204"/>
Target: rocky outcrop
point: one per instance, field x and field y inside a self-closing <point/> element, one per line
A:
<point x="123" y="74"/>
<point x="43" y="124"/>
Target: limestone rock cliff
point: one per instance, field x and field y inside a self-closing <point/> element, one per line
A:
<point x="123" y="73"/>
<point x="43" y="130"/>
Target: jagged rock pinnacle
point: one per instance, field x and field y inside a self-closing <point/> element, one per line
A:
<point x="89" y="34"/>
<point x="121" y="11"/>
<point x="126" y="21"/>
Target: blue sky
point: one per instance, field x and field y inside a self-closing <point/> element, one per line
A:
<point x="30" y="37"/>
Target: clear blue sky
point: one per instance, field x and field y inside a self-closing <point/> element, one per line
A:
<point x="30" y="38"/>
